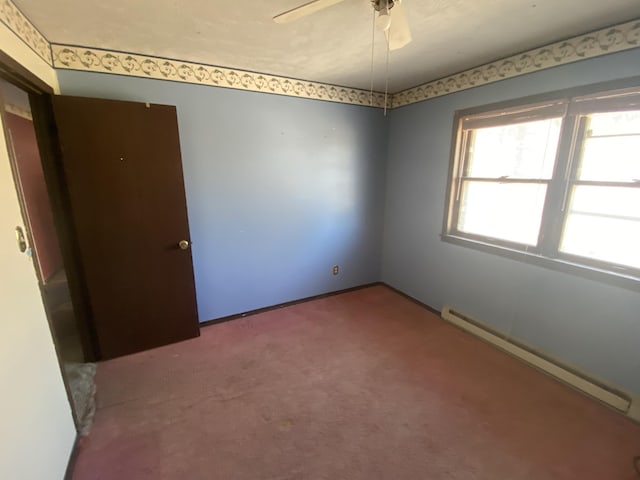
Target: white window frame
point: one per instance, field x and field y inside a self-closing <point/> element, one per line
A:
<point x="572" y="105"/>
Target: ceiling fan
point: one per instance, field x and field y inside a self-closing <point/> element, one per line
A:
<point x="391" y="18"/>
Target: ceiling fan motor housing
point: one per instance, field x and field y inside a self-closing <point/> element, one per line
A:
<point x="378" y="4"/>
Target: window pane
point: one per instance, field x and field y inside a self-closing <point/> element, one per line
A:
<point x="521" y="150"/>
<point x="603" y="223"/>
<point x="614" y="123"/>
<point x="509" y="211"/>
<point x="612" y="201"/>
<point x="611" y="159"/>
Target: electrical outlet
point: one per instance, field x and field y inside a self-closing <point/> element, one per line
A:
<point x="336" y="269"/>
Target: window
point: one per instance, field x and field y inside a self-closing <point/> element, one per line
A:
<point x="556" y="180"/>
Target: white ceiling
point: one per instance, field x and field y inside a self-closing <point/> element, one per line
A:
<point x="331" y="46"/>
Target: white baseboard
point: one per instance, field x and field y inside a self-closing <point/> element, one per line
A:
<point x="634" y="409"/>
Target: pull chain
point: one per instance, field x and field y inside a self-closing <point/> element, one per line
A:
<point x="386" y="82"/>
<point x="373" y="39"/>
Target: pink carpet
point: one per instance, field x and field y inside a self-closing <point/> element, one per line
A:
<point x="363" y="385"/>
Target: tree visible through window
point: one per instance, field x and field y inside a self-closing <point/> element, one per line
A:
<point x="558" y="179"/>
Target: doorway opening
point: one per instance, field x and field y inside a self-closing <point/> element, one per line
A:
<point x="44" y="245"/>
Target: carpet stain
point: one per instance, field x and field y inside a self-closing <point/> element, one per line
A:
<point x="285" y="425"/>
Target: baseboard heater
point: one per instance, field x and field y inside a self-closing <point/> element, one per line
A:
<point x="572" y="377"/>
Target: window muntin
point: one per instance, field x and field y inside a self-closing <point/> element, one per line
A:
<point x="561" y="181"/>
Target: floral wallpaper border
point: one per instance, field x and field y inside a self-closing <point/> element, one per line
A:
<point x="19" y="24"/>
<point x="617" y="38"/>
<point x="620" y="37"/>
<point x="107" y="61"/>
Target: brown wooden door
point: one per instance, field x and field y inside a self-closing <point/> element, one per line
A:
<point x="123" y="170"/>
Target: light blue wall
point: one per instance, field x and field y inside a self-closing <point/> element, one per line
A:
<point x="589" y="324"/>
<point x="279" y="189"/>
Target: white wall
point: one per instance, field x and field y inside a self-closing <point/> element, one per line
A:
<point x="36" y="426"/>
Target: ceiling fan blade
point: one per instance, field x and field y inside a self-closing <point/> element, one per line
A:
<point x="304" y="10"/>
<point x="399" y="34"/>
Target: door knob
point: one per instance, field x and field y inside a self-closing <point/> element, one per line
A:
<point x="183" y="244"/>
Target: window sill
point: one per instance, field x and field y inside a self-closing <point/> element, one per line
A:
<point x="617" y="279"/>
